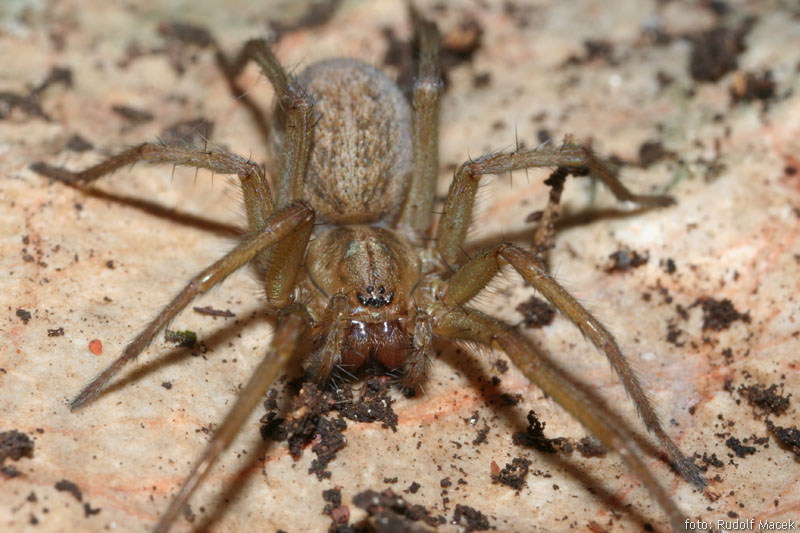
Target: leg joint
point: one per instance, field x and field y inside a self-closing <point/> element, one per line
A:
<point x="428" y="87"/>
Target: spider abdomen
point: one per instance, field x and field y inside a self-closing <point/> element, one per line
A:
<point x="361" y="156"/>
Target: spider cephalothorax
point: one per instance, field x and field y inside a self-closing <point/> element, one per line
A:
<point x="342" y="237"/>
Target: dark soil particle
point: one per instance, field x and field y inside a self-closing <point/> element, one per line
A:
<point x="748" y="86"/>
<point x="482" y="436"/>
<point x="501" y="365"/>
<point x="482" y="80"/>
<point x="508" y="399"/>
<point x="766" y="400"/>
<point x="625" y="259"/>
<point x="741" y="450"/>
<point x="533" y="436"/>
<point x="13" y="445"/>
<point x="788" y="438"/>
<point x="68" y="486"/>
<point x="536" y="313"/>
<point x="651" y="152"/>
<point x="514" y="473"/>
<point x="674" y="335"/>
<point x="88" y="510"/>
<point x="333" y="497"/>
<point x="711" y="460"/>
<point x="340" y="514"/>
<point x="311" y="419"/>
<point x="474" y="520"/>
<point x="374" y="404"/>
<point x="715" y="52"/>
<point x="590" y="447"/>
<point x="393" y="512"/>
<point x="24" y="315"/>
<point x="719" y="314"/>
<point x="330" y="441"/>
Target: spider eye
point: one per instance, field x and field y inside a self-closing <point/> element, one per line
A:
<point x="370" y="300"/>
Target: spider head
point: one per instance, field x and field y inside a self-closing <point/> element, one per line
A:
<point x="373" y="267"/>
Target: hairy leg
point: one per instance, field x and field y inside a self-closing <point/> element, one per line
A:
<point x="279" y="264"/>
<point x="416" y="365"/>
<point x="255" y="188"/>
<point x="461" y="198"/>
<point x="471" y="278"/>
<point x="459" y="322"/>
<point x="291" y="325"/>
<point x="282" y="225"/>
<point x="324" y="361"/>
<point x="418" y="209"/>
<point x="297" y="112"/>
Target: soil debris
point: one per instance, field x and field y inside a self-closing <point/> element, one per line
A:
<point x="68" y="486"/>
<point x="513" y="474"/>
<point x="715" y="52"/>
<point x="311" y="419"/>
<point x="536" y="313"/>
<point x="394" y="513"/>
<point x="719" y="314"/>
<point x="766" y="400"/>
<point x="624" y="259"/>
<point x="741" y="450"/>
<point x="533" y="436"/>
<point x="13" y="445"/>
<point x="788" y="438"/>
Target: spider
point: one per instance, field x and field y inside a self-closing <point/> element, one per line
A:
<point x="355" y="270"/>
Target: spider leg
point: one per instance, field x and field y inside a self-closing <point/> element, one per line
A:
<point x="417" y="211"/>
<point x="293" y="322"/>
<point x="473" y="276"/>
<point x="279" y="264"/>
<point x="282" y="225"/>
<point x="458" y="322"/>
<point x="255" y="188"/>
<point x="416" y="364"/>
<point x="297" y="114"/>
<point x="461" y="198"/>
<point x="329" y="356"/>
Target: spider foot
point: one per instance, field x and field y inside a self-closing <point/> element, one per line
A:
<point x="57" y="173"/>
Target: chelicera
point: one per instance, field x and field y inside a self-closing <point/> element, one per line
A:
<point x="355" y="268"/>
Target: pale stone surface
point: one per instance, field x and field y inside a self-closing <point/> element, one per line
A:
<point x="734" y="234"/>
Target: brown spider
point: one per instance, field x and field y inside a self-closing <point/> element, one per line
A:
<point x="342" y="240"/>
